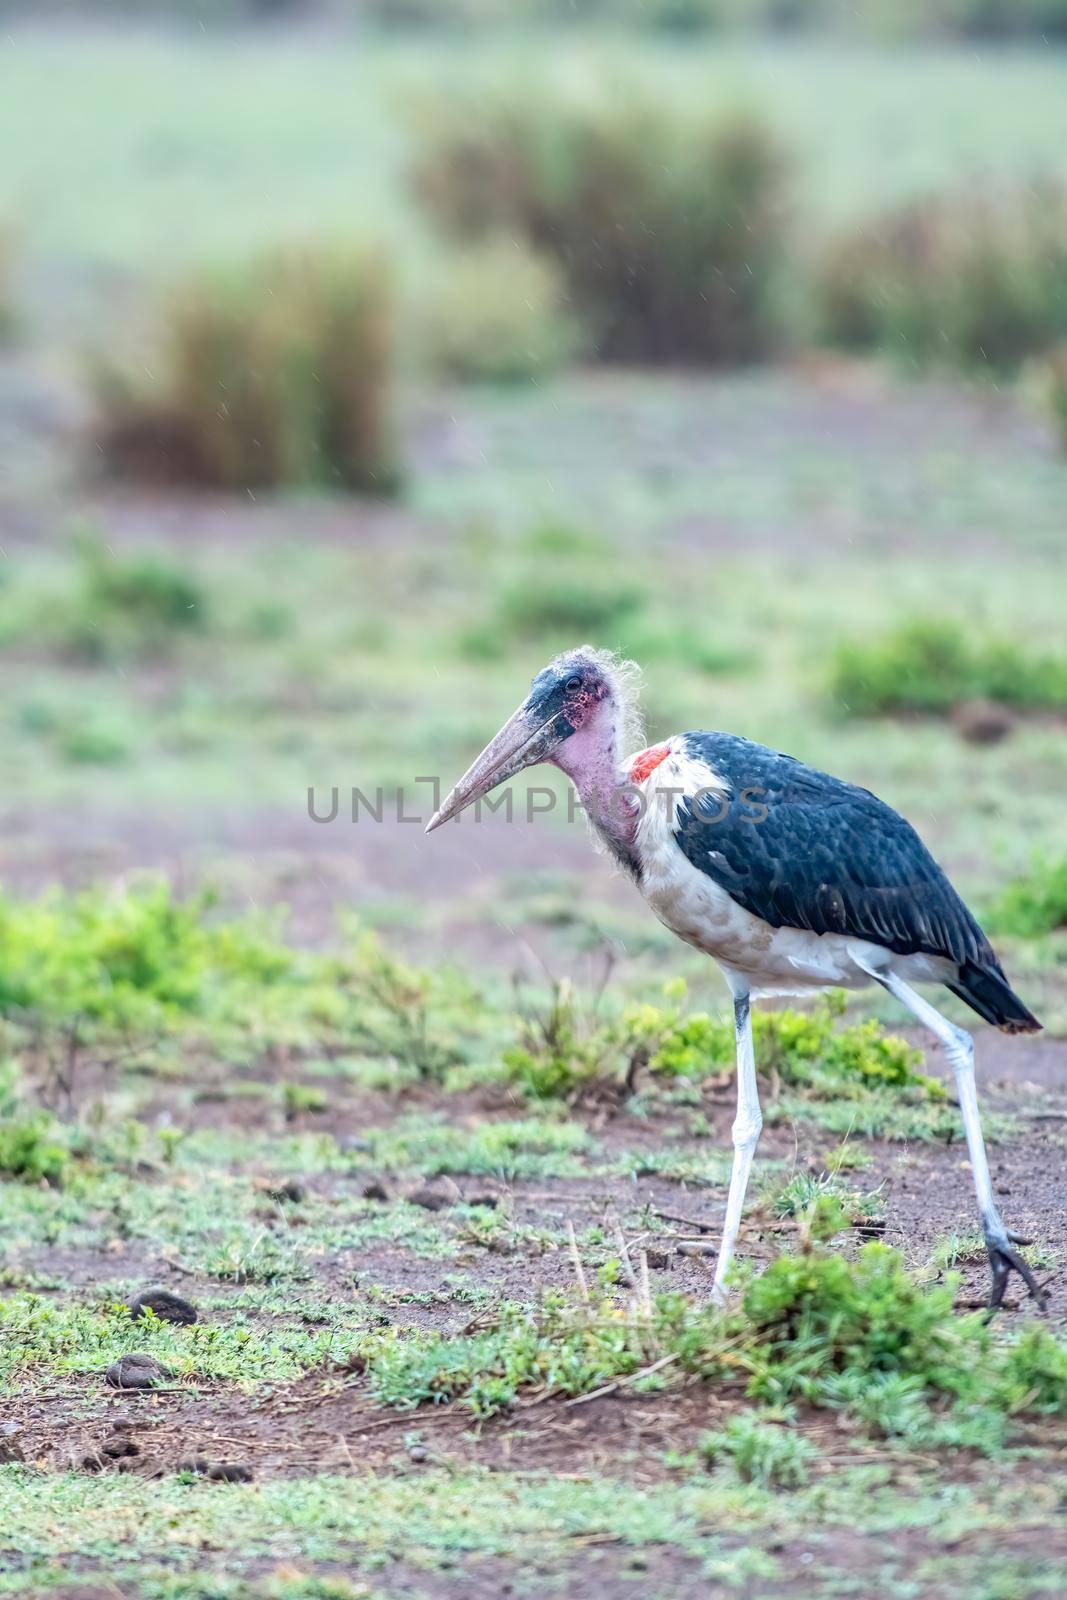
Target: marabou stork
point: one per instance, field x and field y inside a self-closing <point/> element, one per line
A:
<point x="790" y="879"/>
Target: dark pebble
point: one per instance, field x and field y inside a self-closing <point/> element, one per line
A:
<point x="10" y="1448"/>
<point x="166" y="1306"/>
<point x="290" y="1190"/>
<point x="436" y="1196"/>
<point x="136" y="1371"/>
<point x="697" y="1248"/>
<point x="375" y="1191"/>
<point x="118" y="1447"/>
<point x="229" y="1472"/>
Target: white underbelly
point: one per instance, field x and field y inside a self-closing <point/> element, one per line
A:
<point x="770" y="961"/>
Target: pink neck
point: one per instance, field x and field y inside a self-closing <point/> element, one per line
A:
<point x="592" y="761"/>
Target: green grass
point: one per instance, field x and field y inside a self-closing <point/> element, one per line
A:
<point x="761" y="1452"/>
<point x="1034" y="903"/>
<point x="42" y="1340"/>
<point x="813" y="1326"/>
<point x="369" y="1523"/>
<point x="933" y="664"/>
<point x="123" y="158"/>
<point x="272" y="692"/>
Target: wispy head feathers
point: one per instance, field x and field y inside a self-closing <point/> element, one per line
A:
<point x="623" y="679"/>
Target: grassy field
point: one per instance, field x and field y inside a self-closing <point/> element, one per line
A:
<point x="433" y="1132"/>
<point x="140" y="152"/>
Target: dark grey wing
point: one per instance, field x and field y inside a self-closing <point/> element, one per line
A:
<point x="801" y="849"/>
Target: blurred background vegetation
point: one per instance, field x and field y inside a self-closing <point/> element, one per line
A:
<point x="357" y="355"/>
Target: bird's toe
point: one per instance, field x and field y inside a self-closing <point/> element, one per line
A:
<point x="1003" y="1260"/>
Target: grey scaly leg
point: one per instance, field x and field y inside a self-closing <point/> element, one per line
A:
<point x="959" y="1048"/>
<point x="746" y="1132"/>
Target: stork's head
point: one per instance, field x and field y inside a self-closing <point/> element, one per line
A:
<point x="577" y="700"/>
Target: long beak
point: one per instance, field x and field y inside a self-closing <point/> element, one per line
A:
<point x="522" y="741"/>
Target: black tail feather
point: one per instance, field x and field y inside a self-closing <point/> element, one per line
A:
<point x="988" y="992"/>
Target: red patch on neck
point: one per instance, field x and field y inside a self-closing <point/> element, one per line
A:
<point x="647" y="761"/>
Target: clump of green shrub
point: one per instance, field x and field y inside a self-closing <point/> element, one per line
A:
<point x="32" y="1147"/>
<point x="971" y="278"/>
<point x="933" y="664"/>
<point x="127" y="603"/>
<point x="669" y="223"/>
<point x="1033" y="904"/>
<point x="806" y="1189"/>
<point x="497" y="314"/>
<point x="764" y="1453"/>
<point x="129" y="961"/>
<point x="814" y="1326"/>
<point x="561" y="586"/>
<point x="561" y="1050"/>
<point x="278" y="374"/>
<point x="142" y="965"/>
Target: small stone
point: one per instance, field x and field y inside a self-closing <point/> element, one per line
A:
<point x="417" y="1452"/>
<point x="982" y="721"/>
<point x="375" y="1190"/>
<point x="353" y="1145"/>
<point x="136" y="1371"/>
<point x="119" y="1446"/>
<point x="198" y="1464"/>
<point x="289" y="1190"/>
<point x="697" y="1247"/>
<point x="229" y="1472"/>
<point x="166" y="1306"/>
<point x="436" y="1196"/>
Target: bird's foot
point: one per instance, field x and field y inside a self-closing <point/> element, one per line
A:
<point x="1004" y="1260"/>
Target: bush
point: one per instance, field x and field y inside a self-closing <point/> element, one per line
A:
<point x="865" y="1336"/>
<point x="561" y="1051"/>
<point x="669" y="224"/>
<point x="31" y="1146"/>
<point x="761" y="1453"/>
<point x="127" y="604"/>
<point x="279" y="374"/>
<point x="143" y="966"/>
<point x="497" y="315"/>
<point x="971" y="278"/>
<point x="1033" y="904"/>
<point x="816" y="1314"/>
<point x="933" y="664"/>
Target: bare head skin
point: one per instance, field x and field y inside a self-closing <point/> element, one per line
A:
<point x="580" y="715"/>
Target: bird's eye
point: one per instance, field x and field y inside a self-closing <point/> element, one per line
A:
<point x="572" y="684"/>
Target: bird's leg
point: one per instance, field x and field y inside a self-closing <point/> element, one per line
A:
<point x="959" y="1048"/>
<point x="746" y="1132"/>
